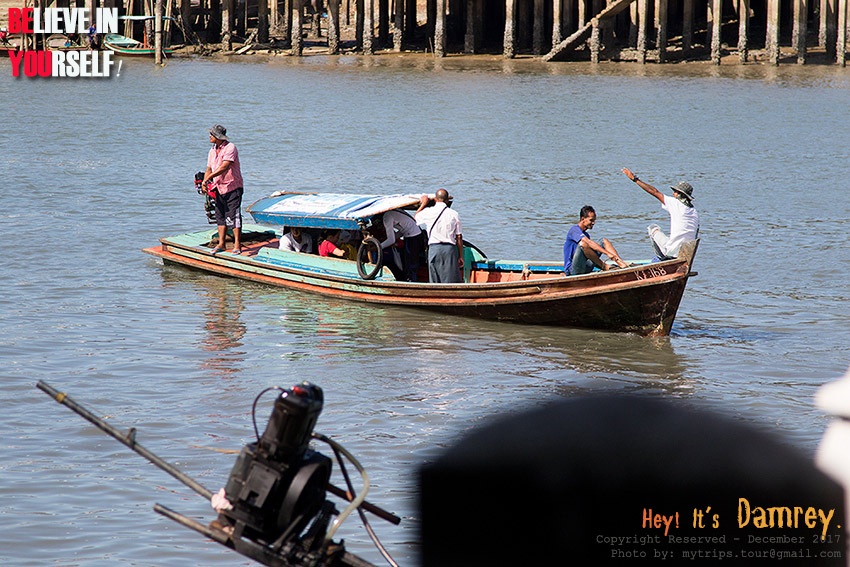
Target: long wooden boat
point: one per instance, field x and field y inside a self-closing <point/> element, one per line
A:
<point x="129" y="46"/>
<point x="642" y="298"/>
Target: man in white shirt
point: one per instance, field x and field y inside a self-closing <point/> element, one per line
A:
<point x="296" y="240"/>
<point x="445" y="238"/>
<point x="684" y="220"/>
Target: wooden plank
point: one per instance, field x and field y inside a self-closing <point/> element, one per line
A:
<point x="559" y="51"/>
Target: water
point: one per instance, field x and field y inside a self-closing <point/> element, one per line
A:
<point x="95" y="170"/>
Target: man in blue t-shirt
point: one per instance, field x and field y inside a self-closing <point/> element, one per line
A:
<point x="581" y="253"/>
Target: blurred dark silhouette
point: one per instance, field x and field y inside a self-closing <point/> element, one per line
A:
<point x="560" y="484"/>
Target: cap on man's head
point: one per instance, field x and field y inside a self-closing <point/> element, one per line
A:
<point x="218" y="132"/>
<point x="685" y="189"/>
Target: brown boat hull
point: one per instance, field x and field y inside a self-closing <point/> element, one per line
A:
<point x="642" y="299"/>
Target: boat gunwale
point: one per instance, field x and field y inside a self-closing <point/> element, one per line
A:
<point x="557" y="285"/>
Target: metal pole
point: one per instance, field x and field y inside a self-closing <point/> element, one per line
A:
<point x="128" y="439"/>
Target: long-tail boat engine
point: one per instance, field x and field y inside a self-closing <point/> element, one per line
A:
<point x="274" y="506"/>
<point x="277" y="485"/>
<point x="208" y="194"/>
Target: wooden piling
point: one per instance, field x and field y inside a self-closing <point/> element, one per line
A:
<point x="827" y="27"/>
<point x="509" y="45"/>
<point x="333" y="26"/>
<point x="643" y="6"/>
<point x="297" y="7"/>
<point x="359" y="20"/>
<point x="287" y="20"/>
<point x="841" y="43"/>
<point x="661" y="29"/>
<point x="469" y="38"/>
<point x="716" y="30"/>
<point x="771" y="40"/>
<point x="369" y="27"/>
<point x="274" y="16"/>
<point x="743" y="29"/>
<point x="606" y="27"/>
<point x="226" y="21"/>
<point x="799" y="32"/>
<point x="709" y="24"/>
<point x="595" y="43"/>
<point x="687" y="26"/>
<point x="557" y="21"/>
<point x="185" y="19"/>
<point x="263" y="21"/>
<point x="398" y="26"/>
<point x="440" y="29"/>
<point x="537" y="28"/>
<point x="157" y="27"/>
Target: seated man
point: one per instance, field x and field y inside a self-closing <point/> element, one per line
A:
<point x="328" y="246"/>
<point x="296" y="240"/>
<point x="581" y="253"/>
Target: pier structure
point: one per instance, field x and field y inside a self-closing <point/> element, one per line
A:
<point x="770" y="31"/>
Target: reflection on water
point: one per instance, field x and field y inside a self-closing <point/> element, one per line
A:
<point x="222" y="312"/>
<point x="224" y="331"/>
<point x="409" y="340"/>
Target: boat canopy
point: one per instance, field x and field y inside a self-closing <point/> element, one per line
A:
<point x="326" y="210"/>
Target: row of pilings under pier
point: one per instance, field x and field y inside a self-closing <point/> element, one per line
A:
<point x="771" y="31"/>
<point x="767" y="31"/>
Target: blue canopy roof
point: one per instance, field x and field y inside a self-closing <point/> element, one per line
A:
<point x="326" y="210"/>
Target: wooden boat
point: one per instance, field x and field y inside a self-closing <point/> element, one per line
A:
<point x="129" y="46"/>
<point x="63" y="42"/>
<point x="643" y="298"/>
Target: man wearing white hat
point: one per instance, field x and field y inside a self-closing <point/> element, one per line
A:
<point x="684" y="220"/>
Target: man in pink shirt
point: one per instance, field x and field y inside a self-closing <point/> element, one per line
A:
<point x="225" y="175"/>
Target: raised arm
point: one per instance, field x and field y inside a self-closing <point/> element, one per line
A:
<point x="644" y="185"/>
